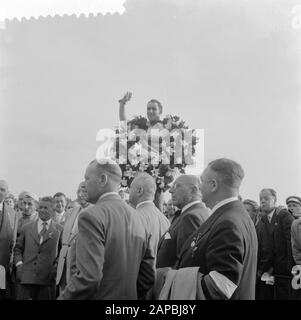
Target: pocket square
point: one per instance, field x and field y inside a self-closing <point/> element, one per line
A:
<point x="167" y="236"/>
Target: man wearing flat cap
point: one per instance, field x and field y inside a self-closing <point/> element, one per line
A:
<point x="294" y="206"/>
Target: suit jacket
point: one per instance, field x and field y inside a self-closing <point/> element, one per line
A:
<point x="282" y="248"/>
<point x="39" y="260"/>
<point x="6" y="237"/>
<point x="226" y="242"/>
<point x="264" y="231"/>
<point x="69" y="234"/>
<point x="296" y="241"/>
<point x="180" y="230"/>
<point x="154" y="222"/>
<point x="112" y="251"/>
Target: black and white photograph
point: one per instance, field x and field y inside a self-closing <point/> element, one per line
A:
<point x="150" y="151"/>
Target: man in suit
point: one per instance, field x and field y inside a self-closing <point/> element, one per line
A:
<point x="60" y="203"/>
<point x="187" y="197"/>
<point x="68" y="238"/>
<point x="142" y="195"/>
<point x="36" y="254"/>
<point x="225" y="246"/>
<point x="294" y="206"/>
<point x="113" y="256"/>
<point x="277" y="260"/>
<point x="6" y="241"/>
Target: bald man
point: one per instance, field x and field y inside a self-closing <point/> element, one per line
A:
<point x="142" y="195"/>
<point x="6" y="240"/>
<point x="69" y="235"/>
<point x="113" y="259"/>
<point x="186" y="196"/>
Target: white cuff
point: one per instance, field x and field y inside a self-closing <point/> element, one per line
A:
<point x="19" y="263"/>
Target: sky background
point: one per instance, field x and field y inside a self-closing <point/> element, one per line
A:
<point x="229" y="67"/>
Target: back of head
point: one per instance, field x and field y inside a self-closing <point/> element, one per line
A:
<point x="230" y="174"/>
<point x="148" y="184"/>
<point x="102" y="177"/>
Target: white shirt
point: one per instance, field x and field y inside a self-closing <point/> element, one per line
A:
<point x="59" y="217"/>
<point x="226" y="286"/>
<point x="141" y="203"/>
<point x="40" y="224"/>
<point x="270" y="215"/>
<point x="188" y="205"/>
<point x="223" y="202"/>
<point x="108" y="194"/>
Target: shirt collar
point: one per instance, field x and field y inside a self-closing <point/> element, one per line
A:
<point x="60" y="214"/>
<point x="271" y="214"/>
<point x="188" y="205"/>
<point x="40" y="221"/>
<point x="223" y="202"/>
<point x="107" y="194"/>
<point x="143" y="202"/>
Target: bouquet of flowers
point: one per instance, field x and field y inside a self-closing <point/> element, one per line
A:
<point x="163" y="172"/>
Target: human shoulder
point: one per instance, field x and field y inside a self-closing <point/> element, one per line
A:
<point x="296" y="224"/>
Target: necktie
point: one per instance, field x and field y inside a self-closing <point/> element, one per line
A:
<point x="269" y="218"/>
<point x="43" y="231"/>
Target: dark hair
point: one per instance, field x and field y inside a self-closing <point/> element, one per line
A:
<point x="229" y="171"/>
<point x="60" y="194"/>
<point x="158" y="103"/>
<point x="271" y="191"/>
<point x="252" y="203"/>
<point x="47" y="199"/>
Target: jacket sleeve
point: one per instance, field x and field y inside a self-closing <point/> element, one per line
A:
<point x="286" y="223"/>
<point x="296" y="241"/>
<point x="90" y="252"/>
<point x="19" y="247"/>
<point x="225" y="254"/>
<point x="147" y="271"/>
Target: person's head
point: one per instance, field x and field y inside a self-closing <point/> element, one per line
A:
<point x="20" y="200"/>
<point x="3" y="190"/>
<point x="46" y="208"/>
<point x="170" y="208"/>
<point x="30" y="203"/>
<point x="154" y="110"/>
<point x="143" y="188"/>
<point x="82" y="195"/>
<point x="10" y="201"/>
<point x="294" y="206"/>
<point x="184" y="190"/>
<point x="221" y="180"/>
<point x="121" y="192"/>
<point x="267" y="199"/>
<point x="72" y="205"/>
<point x="101" y="177"/>
<point x="252" y="208"/>
<point x="60" y="202"/>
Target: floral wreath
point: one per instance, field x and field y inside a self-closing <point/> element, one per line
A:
<point x="163" y="174"/>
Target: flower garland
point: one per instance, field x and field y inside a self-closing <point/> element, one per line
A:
<point x="162" y="173"/>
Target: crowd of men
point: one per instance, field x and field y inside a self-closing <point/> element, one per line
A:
<point x="215" y="245"/>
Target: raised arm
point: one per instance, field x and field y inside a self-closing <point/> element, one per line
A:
<point x="122" y="102"/>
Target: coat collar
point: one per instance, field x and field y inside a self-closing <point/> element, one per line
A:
<point x="207" y="225"/>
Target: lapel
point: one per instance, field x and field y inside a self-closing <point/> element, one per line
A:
<point x="175" y="222"/>
<point x="206" y="227"/>
<point x="49" y="233"/>
<point x="69" y="224"/>
<point x="34" y="232"/>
